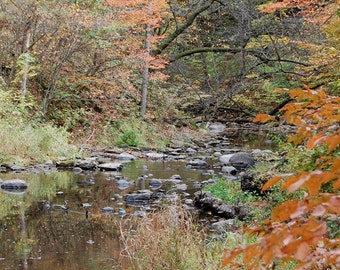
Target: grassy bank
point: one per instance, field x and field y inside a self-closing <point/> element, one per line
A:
<point x="23" y="142"/>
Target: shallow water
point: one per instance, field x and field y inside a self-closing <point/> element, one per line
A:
<point x="33" y="237"/>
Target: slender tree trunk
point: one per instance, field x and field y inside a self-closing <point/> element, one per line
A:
<point x="25" y="47"/>
<point x="146" y="66"/>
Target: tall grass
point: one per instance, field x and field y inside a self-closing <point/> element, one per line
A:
<point x="172" y="239"/>
<point x="23" y="142"/>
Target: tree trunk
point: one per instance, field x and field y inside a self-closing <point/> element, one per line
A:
<point x="25" y="47"/>
<point x="146" y="67"/>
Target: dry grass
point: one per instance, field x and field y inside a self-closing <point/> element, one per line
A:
<point x="170" y="239"/>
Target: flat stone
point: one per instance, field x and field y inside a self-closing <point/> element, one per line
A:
<point x="155" y="155"/>
<point x="126" y="156"/>
<point x="110" y="166"/>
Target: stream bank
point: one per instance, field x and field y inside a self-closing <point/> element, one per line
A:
<point x="76" y="204"/>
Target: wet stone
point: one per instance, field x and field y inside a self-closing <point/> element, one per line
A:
<point x="108" y="210"/>
<point x="87" y="164"/>
<point x="137" y="198"/>
<point x="229" y="170"/>
<point x="110" y="166"/>
<point x="181" y="187"/>
<point x="14" y="184"/>
<point x="197" y="163"/>
<point x="123" y="184"/>
<point x="126" y="156"/>
<point x="155" y="155"/>
<point x="155" y="183"/>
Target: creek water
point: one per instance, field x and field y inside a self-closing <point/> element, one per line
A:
<point x="34" y="235"/>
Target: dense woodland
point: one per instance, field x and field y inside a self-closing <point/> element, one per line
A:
<point x="101" y="71"/>
<point x="79" y="64"/>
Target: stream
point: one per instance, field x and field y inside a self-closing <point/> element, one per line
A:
<point x="67" y="219"/>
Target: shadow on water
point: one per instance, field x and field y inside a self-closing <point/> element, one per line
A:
<point x="38" y="232"/>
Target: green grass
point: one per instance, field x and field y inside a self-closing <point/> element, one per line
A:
<point x="23" y="142"/>
<point x="230" y="192"/>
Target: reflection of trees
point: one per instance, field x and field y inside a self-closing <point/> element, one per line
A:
<point x="40" y="186"/>
<point x="61" y="237"/>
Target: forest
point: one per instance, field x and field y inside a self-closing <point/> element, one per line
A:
<point x="80" y="74"/>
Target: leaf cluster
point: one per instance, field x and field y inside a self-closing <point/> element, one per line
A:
<point x="298" y="229"/>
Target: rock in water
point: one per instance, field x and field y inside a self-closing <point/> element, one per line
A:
<point x="14" y="184"/>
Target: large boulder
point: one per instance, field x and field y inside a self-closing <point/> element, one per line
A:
<point x="225" y="158"/>
<point x="241" y="161"/>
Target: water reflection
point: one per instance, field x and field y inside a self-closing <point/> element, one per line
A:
<point x="38" y="230"/>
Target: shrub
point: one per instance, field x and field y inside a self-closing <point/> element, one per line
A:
<point x="300" y="230"/>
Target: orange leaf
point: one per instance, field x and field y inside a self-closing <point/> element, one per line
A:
<point x="295" y="182"/>
<point x="336" y="165"/>
<point x="284" y="211"/>
<point x="271" y="182"/>
<point x="313" y="184"/>
<point x="315" y="140"/>
<point x="263" y="118"/>
<point x="333" y="141"/>
<point x="336" y="184"/>
<point x="302" y="252"/>
<point x="230" y="256"/>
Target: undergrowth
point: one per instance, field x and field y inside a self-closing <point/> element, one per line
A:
<point x="173" y="239"/>
<point x="25" y="143"/>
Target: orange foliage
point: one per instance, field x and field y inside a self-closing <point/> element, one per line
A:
<point x="298" y="229"/>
